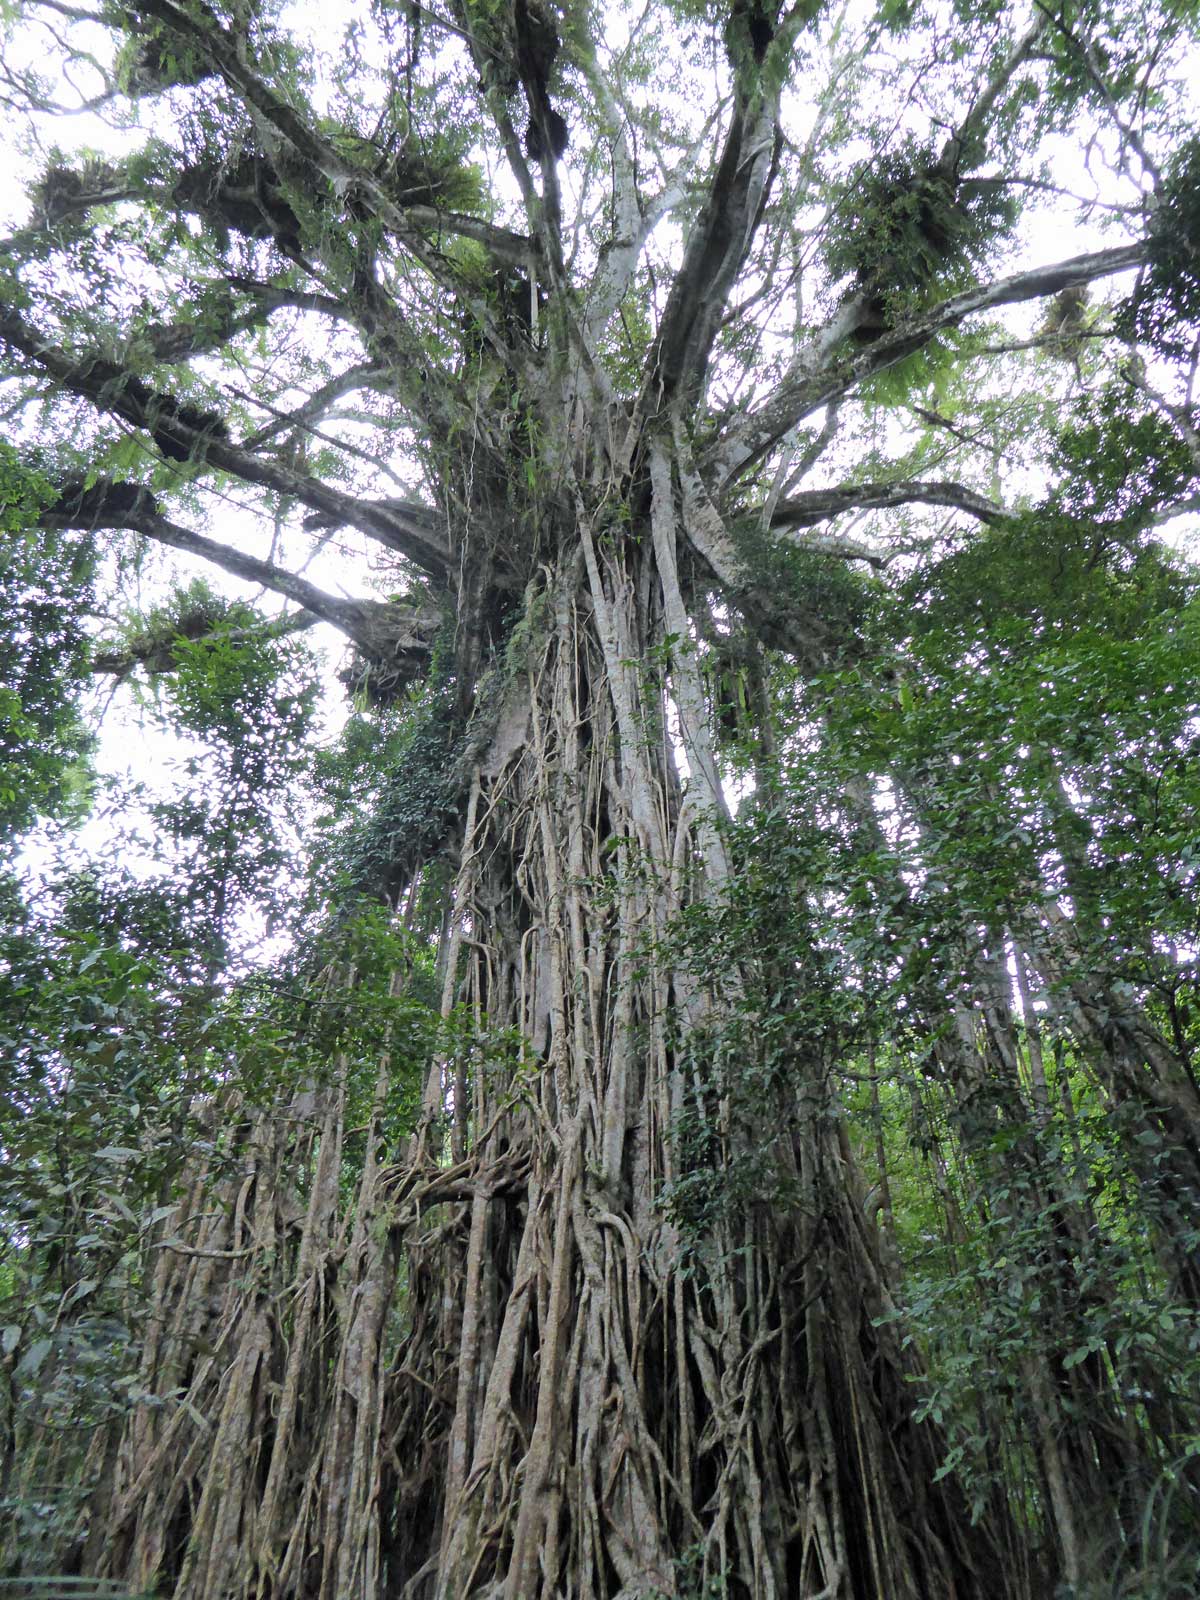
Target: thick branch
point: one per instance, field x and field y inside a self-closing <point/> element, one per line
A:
<point x="633" y="220"/>
<point x="174" y="342"/>
<point x="278" y="120"/>
<point x="502" y="243"/>
<point x="777" y="622"/>
<point x="306" y="416"/>
<point x="721" y="237"/>
<point x="393" y="637"/>
<point x="161" y="654"/>
<point x="971" y="130"/>
<point x="820" y="373"/>
<point x="841" y="549"/>
<point x="818" y="505"/>
<point x="183" y="432"/>
<point x="716" y="250"/>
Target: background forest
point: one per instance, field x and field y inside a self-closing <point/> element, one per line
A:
<point x="663" y="1063"/>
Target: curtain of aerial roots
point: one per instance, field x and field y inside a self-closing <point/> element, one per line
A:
<point x="496" y="1371"/>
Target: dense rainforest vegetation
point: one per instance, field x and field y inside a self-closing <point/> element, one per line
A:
<point x="669" y="1067"/>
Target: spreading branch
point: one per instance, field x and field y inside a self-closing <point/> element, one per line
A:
<point x="384" y="631"/>
<point x="822" y="372"/>
<point x="820" y="505"/>
<point x="183" y="432"/>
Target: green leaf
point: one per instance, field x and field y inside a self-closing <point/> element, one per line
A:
<point x="31" y="1362"/>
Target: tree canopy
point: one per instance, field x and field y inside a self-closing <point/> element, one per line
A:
<point x="717" y="1114"/>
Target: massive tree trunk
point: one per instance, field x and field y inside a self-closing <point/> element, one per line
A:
<point x="581" y="1393"/>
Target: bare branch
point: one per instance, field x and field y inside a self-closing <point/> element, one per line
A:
<point x="1086" y="53"/>
<point x="820" y="373"/>
<point x="304" y="416"/>
<point x="973" y="124"/>
<point x="384" y="631"/>
<point x="819" y="505"/>
<point x="184" y="433"/>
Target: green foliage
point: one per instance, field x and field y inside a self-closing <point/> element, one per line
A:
<point x="1117" y="463"/>
<point x="333" y="1008"/>
<point x="905" y="224"/>
<point x="241" y="696"/>
<point x="104" y="1039"/>
<point x="45" y="588"/>
<point x="236" y="679"/>
<point x="154" y="59"/>
<point x="390" y="791"/>
<point x="1056" y="1271"/>
<point x="1047" y="574"/>
<point x="118" y="1053"/>
<point x="790" y="1010"/>
<point x="828" y="590"/>
<point x="691" y="1581"/>
<point x="1164" y="309"/>
<point x="1097" y="52"/>
<point x="433" y="171"/>
<point x="1062" y="711"/>
<point x="924" y="372"/>
<point x="1028" y="741"/>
